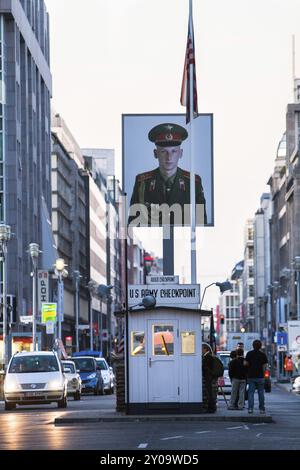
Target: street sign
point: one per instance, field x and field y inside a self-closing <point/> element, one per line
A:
<point x="282" y="338"/>
<point x="43" y="288"/>
<point x="26" y="319"/>
<point x="49" y="327"/>
<point x="83" y="327"/>
<point x="282" y="348"/>
<point x="49" y="313"/>
<point x="165" y="294"/>
<point x="154" y="279"/>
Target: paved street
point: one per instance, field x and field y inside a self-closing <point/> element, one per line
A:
<point x="33" y="428"/>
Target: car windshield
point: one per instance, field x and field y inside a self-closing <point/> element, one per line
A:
<point x="225" y="358"/>
<point x="31" y="364"/>
<point x="101" y="364"/>
<point x="70" y="366"/>
<point x="85" y="364"/>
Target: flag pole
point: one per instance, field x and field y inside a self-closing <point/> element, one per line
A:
<point x="192" y="168"/>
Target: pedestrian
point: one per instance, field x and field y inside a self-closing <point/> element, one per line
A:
<point x="238" y="374"/>
<point x="256" y="361"/>
<point x="297" y="363"/>
<point x="288" y="365"/>
<point x="207" y="369"/>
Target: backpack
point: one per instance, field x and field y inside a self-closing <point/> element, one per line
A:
<point x="218" y="368"/>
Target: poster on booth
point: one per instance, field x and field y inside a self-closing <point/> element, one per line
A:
<point x="294" y="336"/>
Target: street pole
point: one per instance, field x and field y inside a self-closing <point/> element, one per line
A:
<point x="101" y="342"/>
<point x="5" y="235"/>
<point x="298" y="295"/>
<point x="77" y="277"/>
<point x="91" y="324"/>
<point x="34" y="251"/>
<point x="59" y="285"/>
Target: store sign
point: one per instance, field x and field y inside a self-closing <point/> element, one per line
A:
<point x="49" y="313"/>
<point x="43" y="288"/>
<point x="165" y="294"/>
<point x="26" y="319"/>
<point x="294" y="336"/>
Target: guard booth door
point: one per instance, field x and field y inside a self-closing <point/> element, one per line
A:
<point x="163" y="361"/>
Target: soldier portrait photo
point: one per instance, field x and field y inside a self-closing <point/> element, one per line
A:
<point x="162" y="195"/>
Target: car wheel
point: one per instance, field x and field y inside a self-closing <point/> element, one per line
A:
<point x="77" y="396"/>
<point x="9" y="406"/>
<point x="63" y="403"/>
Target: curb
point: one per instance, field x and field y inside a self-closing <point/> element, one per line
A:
<point x="282" y="387"/>
<point x="132" y="419"/>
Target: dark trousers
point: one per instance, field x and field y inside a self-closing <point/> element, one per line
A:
<point x="210" y="395"/>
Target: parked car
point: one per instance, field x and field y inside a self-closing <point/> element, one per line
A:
<point x="296" y="384"/>
<point x="224" y="356"/>
<point x="107" y="375"/>
<point x="35" y="378"/>
<point x="90" y="374"/>
<point x="74" y="380"/>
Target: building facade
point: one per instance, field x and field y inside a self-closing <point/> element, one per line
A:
<point x="25" y="143"/>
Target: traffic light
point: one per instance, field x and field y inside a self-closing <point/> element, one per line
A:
<point x="222" y="319"/>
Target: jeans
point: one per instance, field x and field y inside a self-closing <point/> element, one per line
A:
<point x="253" y="383"/>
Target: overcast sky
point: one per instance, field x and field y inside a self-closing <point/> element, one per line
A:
<point x="111" y="57"/>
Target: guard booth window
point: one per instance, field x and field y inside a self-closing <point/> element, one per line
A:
<point x="163" y="340"/>
<point x="137" y="343"/>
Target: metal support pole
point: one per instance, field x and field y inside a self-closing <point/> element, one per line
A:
<point x="168" y="250"/>
<point x="101" y="339"/>
<point x="59" y="298"/>
<point x="77" y="308"/>
<point x="91" y="324"/>
<point x="34" y="306"/>
<point x="4" y="307"/>
<point x="298" y="295"/>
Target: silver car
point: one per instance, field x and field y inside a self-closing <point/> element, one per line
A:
<point x="224" y="356"/>
<point x="74" y="380"/>
<point x="107" y="375"/>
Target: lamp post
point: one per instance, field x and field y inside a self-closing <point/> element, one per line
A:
<point x="77" y="277"/>
<point x="61" y="272"/>
<point x="34" y="251"/>
<point x="5" y="236"/>
<point x="103" y="292"/>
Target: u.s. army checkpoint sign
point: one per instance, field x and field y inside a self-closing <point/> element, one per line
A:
<point x="165" y="294"/>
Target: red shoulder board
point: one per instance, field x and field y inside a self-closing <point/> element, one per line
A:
<point x="145" y="176"/>
<point x="186" y="174"/>
<point x="198" y="178"/>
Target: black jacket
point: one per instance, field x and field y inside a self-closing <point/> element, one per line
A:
<point x="236" y="369"/>
<point x="207" y="365"/>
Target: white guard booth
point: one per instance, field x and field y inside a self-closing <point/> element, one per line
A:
<point x="164" y="361"/>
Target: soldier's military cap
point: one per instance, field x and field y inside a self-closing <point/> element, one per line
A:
<point x="167" y="135"/>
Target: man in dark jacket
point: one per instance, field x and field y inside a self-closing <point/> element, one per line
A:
<point x="207" y="368"/>
<point x="238" y="374"/>
<point x="256" y="361"/>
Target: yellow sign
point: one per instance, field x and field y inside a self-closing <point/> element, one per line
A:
<point x="49" y="312"/>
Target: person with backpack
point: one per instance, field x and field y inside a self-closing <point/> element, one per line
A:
<point x="212" y="369"/>
<point x="238" y="374"/>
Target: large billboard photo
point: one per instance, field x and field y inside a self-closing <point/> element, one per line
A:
<point x="156" y="169"/>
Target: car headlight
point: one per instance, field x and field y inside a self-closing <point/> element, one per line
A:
<point x="55" y="384"/>
<point x="11" y="387"/>
<point x="92" y="376"/>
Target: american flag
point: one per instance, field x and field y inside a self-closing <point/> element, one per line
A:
<point x="189" y="60"/>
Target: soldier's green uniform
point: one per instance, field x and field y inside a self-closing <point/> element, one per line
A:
<point x="152" y="190"/>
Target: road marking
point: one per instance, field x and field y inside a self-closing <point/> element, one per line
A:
<point x="168" y="438"/>
<point x="246" y="427"/>
<point x="259" y="424"/>
<point x="259" y="434"/>
<point x="237" y="427"/>
<point x="201" y="432"/>
<point x="143" y="445"/>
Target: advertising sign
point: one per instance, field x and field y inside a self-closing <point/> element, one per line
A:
<point x="294" y="336"/>
<point x="165" y="294"/>
<point x="156" y="169"/>
<point x="49" y="313"/>
<point x="43" y="288"/>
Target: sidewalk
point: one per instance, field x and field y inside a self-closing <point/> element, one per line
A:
<point x="285" y="386"/>
<point x="110" y="415"/>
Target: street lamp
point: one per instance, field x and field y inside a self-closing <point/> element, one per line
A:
<point x="92" y="286"/>
<point x="223" y="286"/>
<point x="61" y="272"/>
<point x="103" y="292"/>
<point x="34" y="251"/>
<point x="5" y="236"/>
<point x="77" y="277"/>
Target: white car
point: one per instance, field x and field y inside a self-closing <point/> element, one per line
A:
<point x="74" y="380"/>
<point x="107" y="375"/>
<point x="226" y="383"/>
<point x="296" y="385"/>
<point x="35" y="378"/>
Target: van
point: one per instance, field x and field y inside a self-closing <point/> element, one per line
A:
<point x="35" y="378"/>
